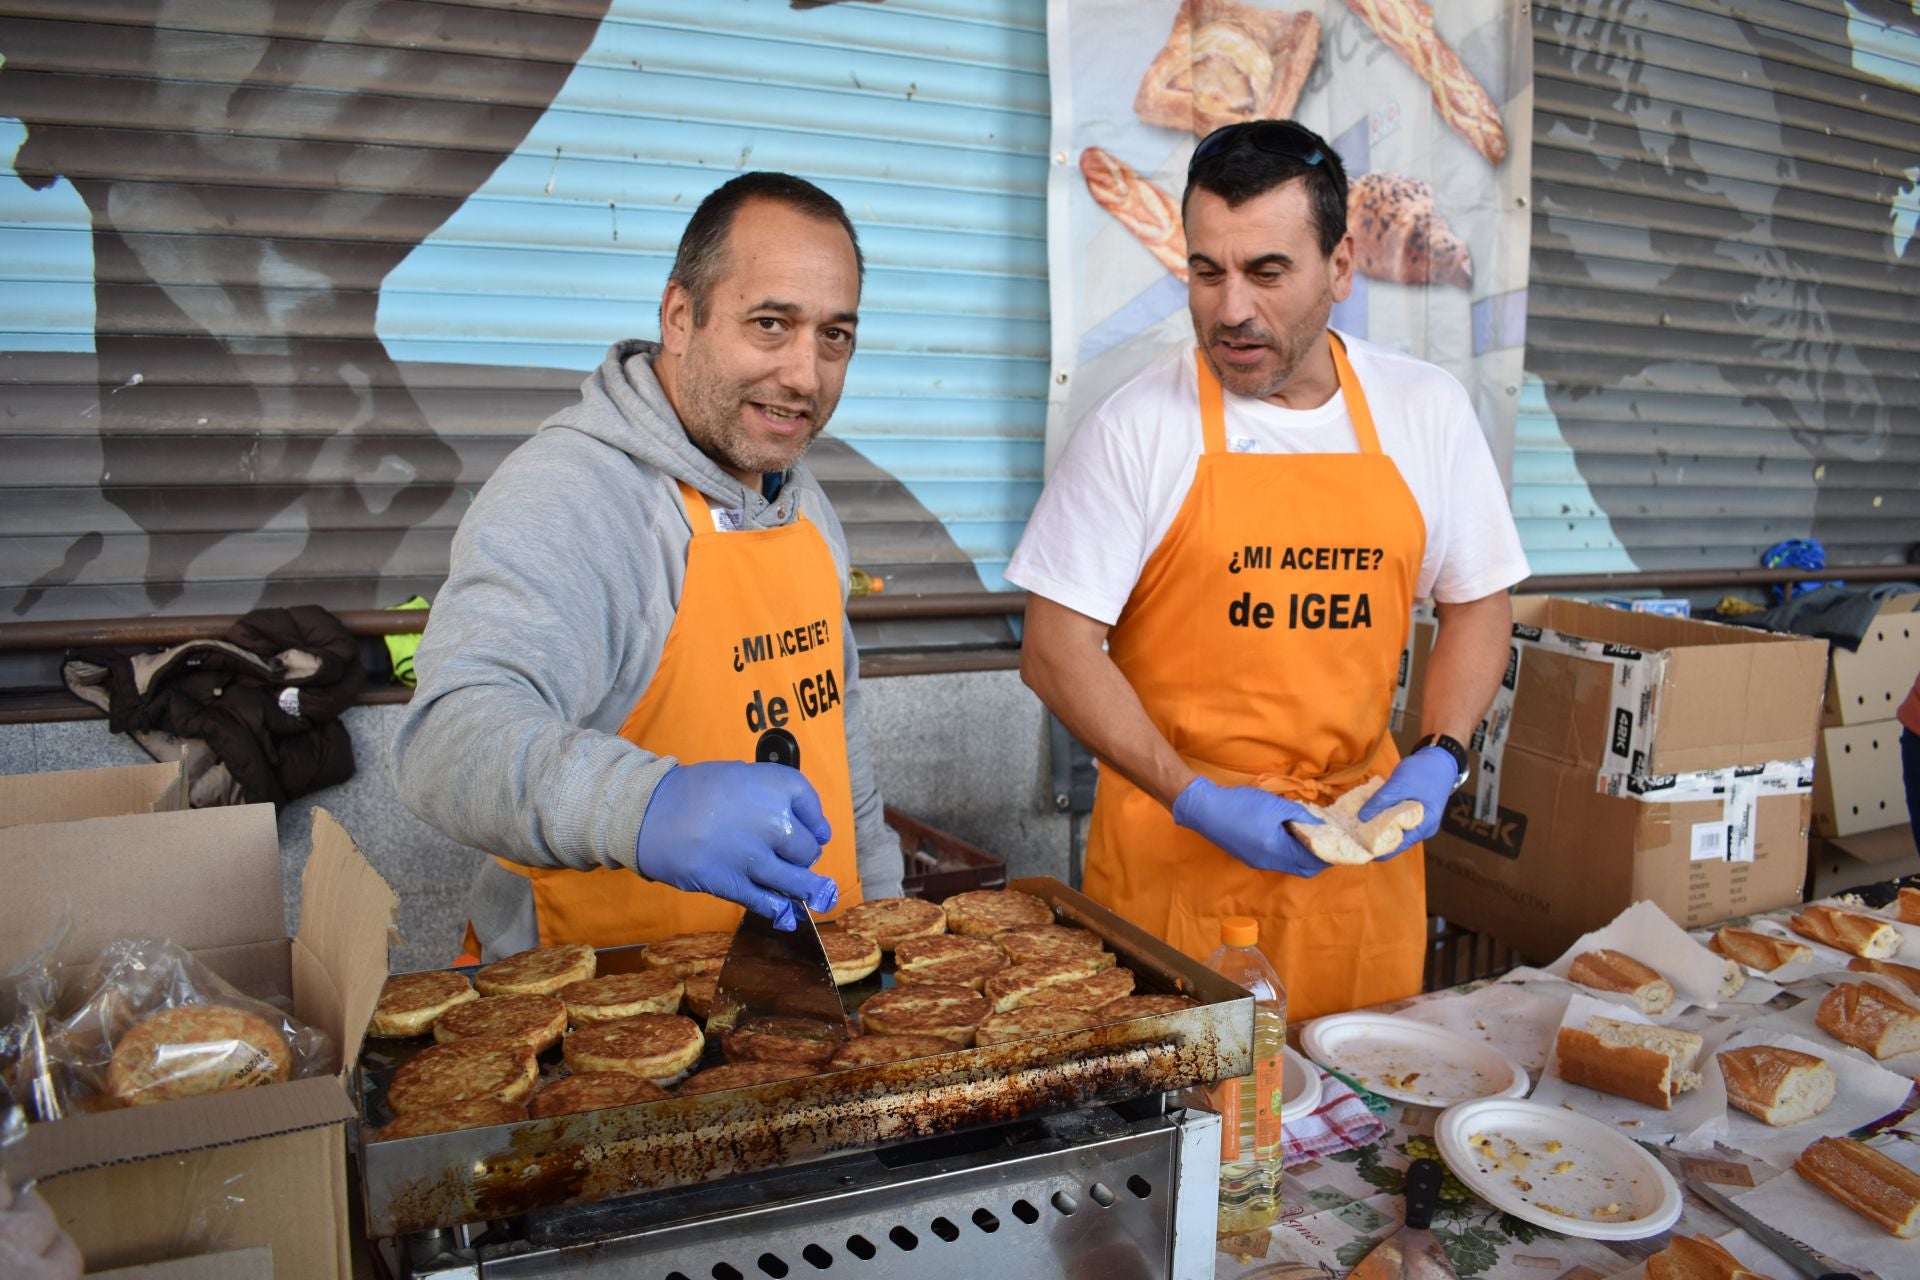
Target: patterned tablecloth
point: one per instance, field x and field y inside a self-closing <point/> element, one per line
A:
<point x="1338" y="1207"/>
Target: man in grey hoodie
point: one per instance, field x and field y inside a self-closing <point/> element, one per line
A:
<point x="645" y="594"/>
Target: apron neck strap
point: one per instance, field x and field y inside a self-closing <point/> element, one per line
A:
<point x="1213" y="401"/>
<point x="699" y="511"/>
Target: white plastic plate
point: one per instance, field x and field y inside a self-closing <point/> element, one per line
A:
<point x="1299" y="1087"/>
<point x="1412" y="1061"/>
<point x="1557" y="1169"/>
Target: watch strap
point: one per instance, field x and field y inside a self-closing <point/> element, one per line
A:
<point x="1453" y="747"/>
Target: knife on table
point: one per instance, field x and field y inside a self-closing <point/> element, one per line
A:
<point x="1803" y="1258"/>
<point x="769" y="971"/>
<point x="1412" y="1252"/>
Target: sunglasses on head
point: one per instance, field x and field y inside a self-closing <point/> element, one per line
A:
<point x="1276" y="137"/>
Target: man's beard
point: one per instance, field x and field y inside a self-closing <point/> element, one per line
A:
<point x="1291" y="350"/>
<point x="712" y="407"/>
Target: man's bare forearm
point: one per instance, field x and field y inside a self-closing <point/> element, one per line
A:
<point x="1469" y="656"/>
<point x="1063" y="660"/>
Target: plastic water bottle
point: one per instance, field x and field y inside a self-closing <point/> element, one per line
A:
<point x="1249" y="1106"/>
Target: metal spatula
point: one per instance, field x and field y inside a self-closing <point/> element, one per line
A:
<point x="1412" y="1253"/>
<point x="769" y="972"/>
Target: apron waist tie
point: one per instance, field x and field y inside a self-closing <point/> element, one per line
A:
<point x="1321" y="789"/>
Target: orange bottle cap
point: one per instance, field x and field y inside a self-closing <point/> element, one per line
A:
<point x="1240" y="931"/>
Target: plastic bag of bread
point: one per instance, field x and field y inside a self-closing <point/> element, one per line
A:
<point x="146" y="1022"/>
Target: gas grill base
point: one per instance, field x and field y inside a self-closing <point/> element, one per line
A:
<point x="1110" y="1192"/>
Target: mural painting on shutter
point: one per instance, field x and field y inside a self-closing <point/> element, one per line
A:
<point x="289" y="279"/>
<point x="1724" y="320"/>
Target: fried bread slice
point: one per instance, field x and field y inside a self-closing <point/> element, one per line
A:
<point x="931" y="1009"/>
<point x="593" y="1091"/>
<point x="985" y="912"/>
<point x="537" y="1021"/>
<point x="613" y="996"/>
<point x="1046" y="942"/>
<point x="661" y="1047"/>
<point x="867" y="1051"/>
<point x="949" y="958"/>
<point x="1092" y="993"/>
<point x="461" y="1070"/>
<point x="1013" y="987"/>
<point x="889" y="920"/>
<point x="474" y="1113"/>
<point x="409" y="1002"/>
<point x="689" y="953"/>
<point x="737" y="1075"/>
<point x="540" y="971"/>
<point x="1033" y="1020"/>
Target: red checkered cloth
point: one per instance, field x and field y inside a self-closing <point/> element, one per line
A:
<point x="1340" y="1123"/>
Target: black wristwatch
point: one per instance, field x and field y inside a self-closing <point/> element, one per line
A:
<point x="1453" y="748"/>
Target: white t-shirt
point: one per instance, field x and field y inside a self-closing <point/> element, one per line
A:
<point x="1127" y="468"/>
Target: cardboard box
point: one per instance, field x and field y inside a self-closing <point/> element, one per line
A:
<point x="1857" y="783"/>
<point x="240" y="1264"/>
<point x="258" y="1167"/>
<point x="1870" y="683"/>
<point x="91" y="793"/>
<point x="1870" y="857"/>
<point x="1666" y="708"/>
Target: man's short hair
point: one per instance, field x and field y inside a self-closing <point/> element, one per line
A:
<point x="1239" y="162"/>
<point x="701" y="258"/>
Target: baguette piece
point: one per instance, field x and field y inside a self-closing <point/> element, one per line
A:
<point x="1907" y="906"/>
<point x="1864" y="1016"/>
<point x="1775" y="1085"/>
<point x="1757" y="950"/>
<point x="1697" y="1258"/>
<point x="1849" y="931"/>
<point x="1869" y="1182"/>
<point x="1462" y="101"/>
<point x="1149" y="213"/>
<point x="1642" y="1064"/>
<point x="1605" y="970"/>
<point x="1904" y="974"/>
<point x="1340" y="839"/>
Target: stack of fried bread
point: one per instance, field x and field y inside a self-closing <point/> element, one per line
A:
<point x="1641" y="1063"/>
<point x="626" y="1038"/>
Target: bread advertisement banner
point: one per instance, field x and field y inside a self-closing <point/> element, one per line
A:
<point x="1430" y="110"/>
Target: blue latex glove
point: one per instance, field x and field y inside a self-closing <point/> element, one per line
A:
<point x="1427" y="776"/>
<point x="1249" y="824"/>
<point x="743" y="832"/>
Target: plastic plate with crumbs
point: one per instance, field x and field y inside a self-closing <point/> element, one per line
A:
<point x="1412" y="1061"/>
<point x="1557" y="1169"/>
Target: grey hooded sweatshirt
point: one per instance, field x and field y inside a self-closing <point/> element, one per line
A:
<point x="565" y="577"/>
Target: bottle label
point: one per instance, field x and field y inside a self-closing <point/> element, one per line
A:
<point x="1225" y="1098"/>
<point x="1269" y="1085"/>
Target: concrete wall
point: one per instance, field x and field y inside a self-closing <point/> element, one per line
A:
<point x="966" y="753"/>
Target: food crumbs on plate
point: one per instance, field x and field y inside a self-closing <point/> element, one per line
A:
<point x="1553" y="1145"/>
<point x="1629" y="1124"/>
<point x="1522" y="1183"/>
<point x="1612" y="1208"/>
<point x="1554" y="1208"/>
<point x="1564" y="1166"/>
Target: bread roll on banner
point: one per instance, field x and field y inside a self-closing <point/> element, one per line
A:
<point x="1149" y="213"/>
<point x="1224" y="62"/>
<point x="1397" y="235"/>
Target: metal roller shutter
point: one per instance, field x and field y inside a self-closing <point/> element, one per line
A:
<point x="1724" y="319"/>
<point x="289" y="279"/>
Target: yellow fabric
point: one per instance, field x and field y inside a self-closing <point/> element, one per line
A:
<point x="1298" y="706"/>
<point x="759" y="626"/>
<point x="402" y="647"/>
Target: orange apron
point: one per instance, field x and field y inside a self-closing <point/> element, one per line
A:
<point x="1264" y="638"/>
<point x="756" y="643"/>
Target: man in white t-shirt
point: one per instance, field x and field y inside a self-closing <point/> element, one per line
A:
<point x="1222" y="569"/>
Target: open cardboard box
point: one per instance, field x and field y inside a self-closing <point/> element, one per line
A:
<point x="1561" y="858"/>
<point x="256" y="1167"/>
<point x="1869" y="682"/>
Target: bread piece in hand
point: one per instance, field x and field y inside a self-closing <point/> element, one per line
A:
<point x="1758" y="950"/>
<point x="1225" y="62"/>
<point x="1778" y="1086"/>
<point x="1864" y="1016"/>
<point x="1342" y="840"/>
<point x="1904" y="974"/>
<point x="1857" y="934"/>
<point x="1697" y="1258"/>
<point x="1628" y="1060"/>
<point x="1869" y="1182"/>
<point x="1616" y="971"/>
